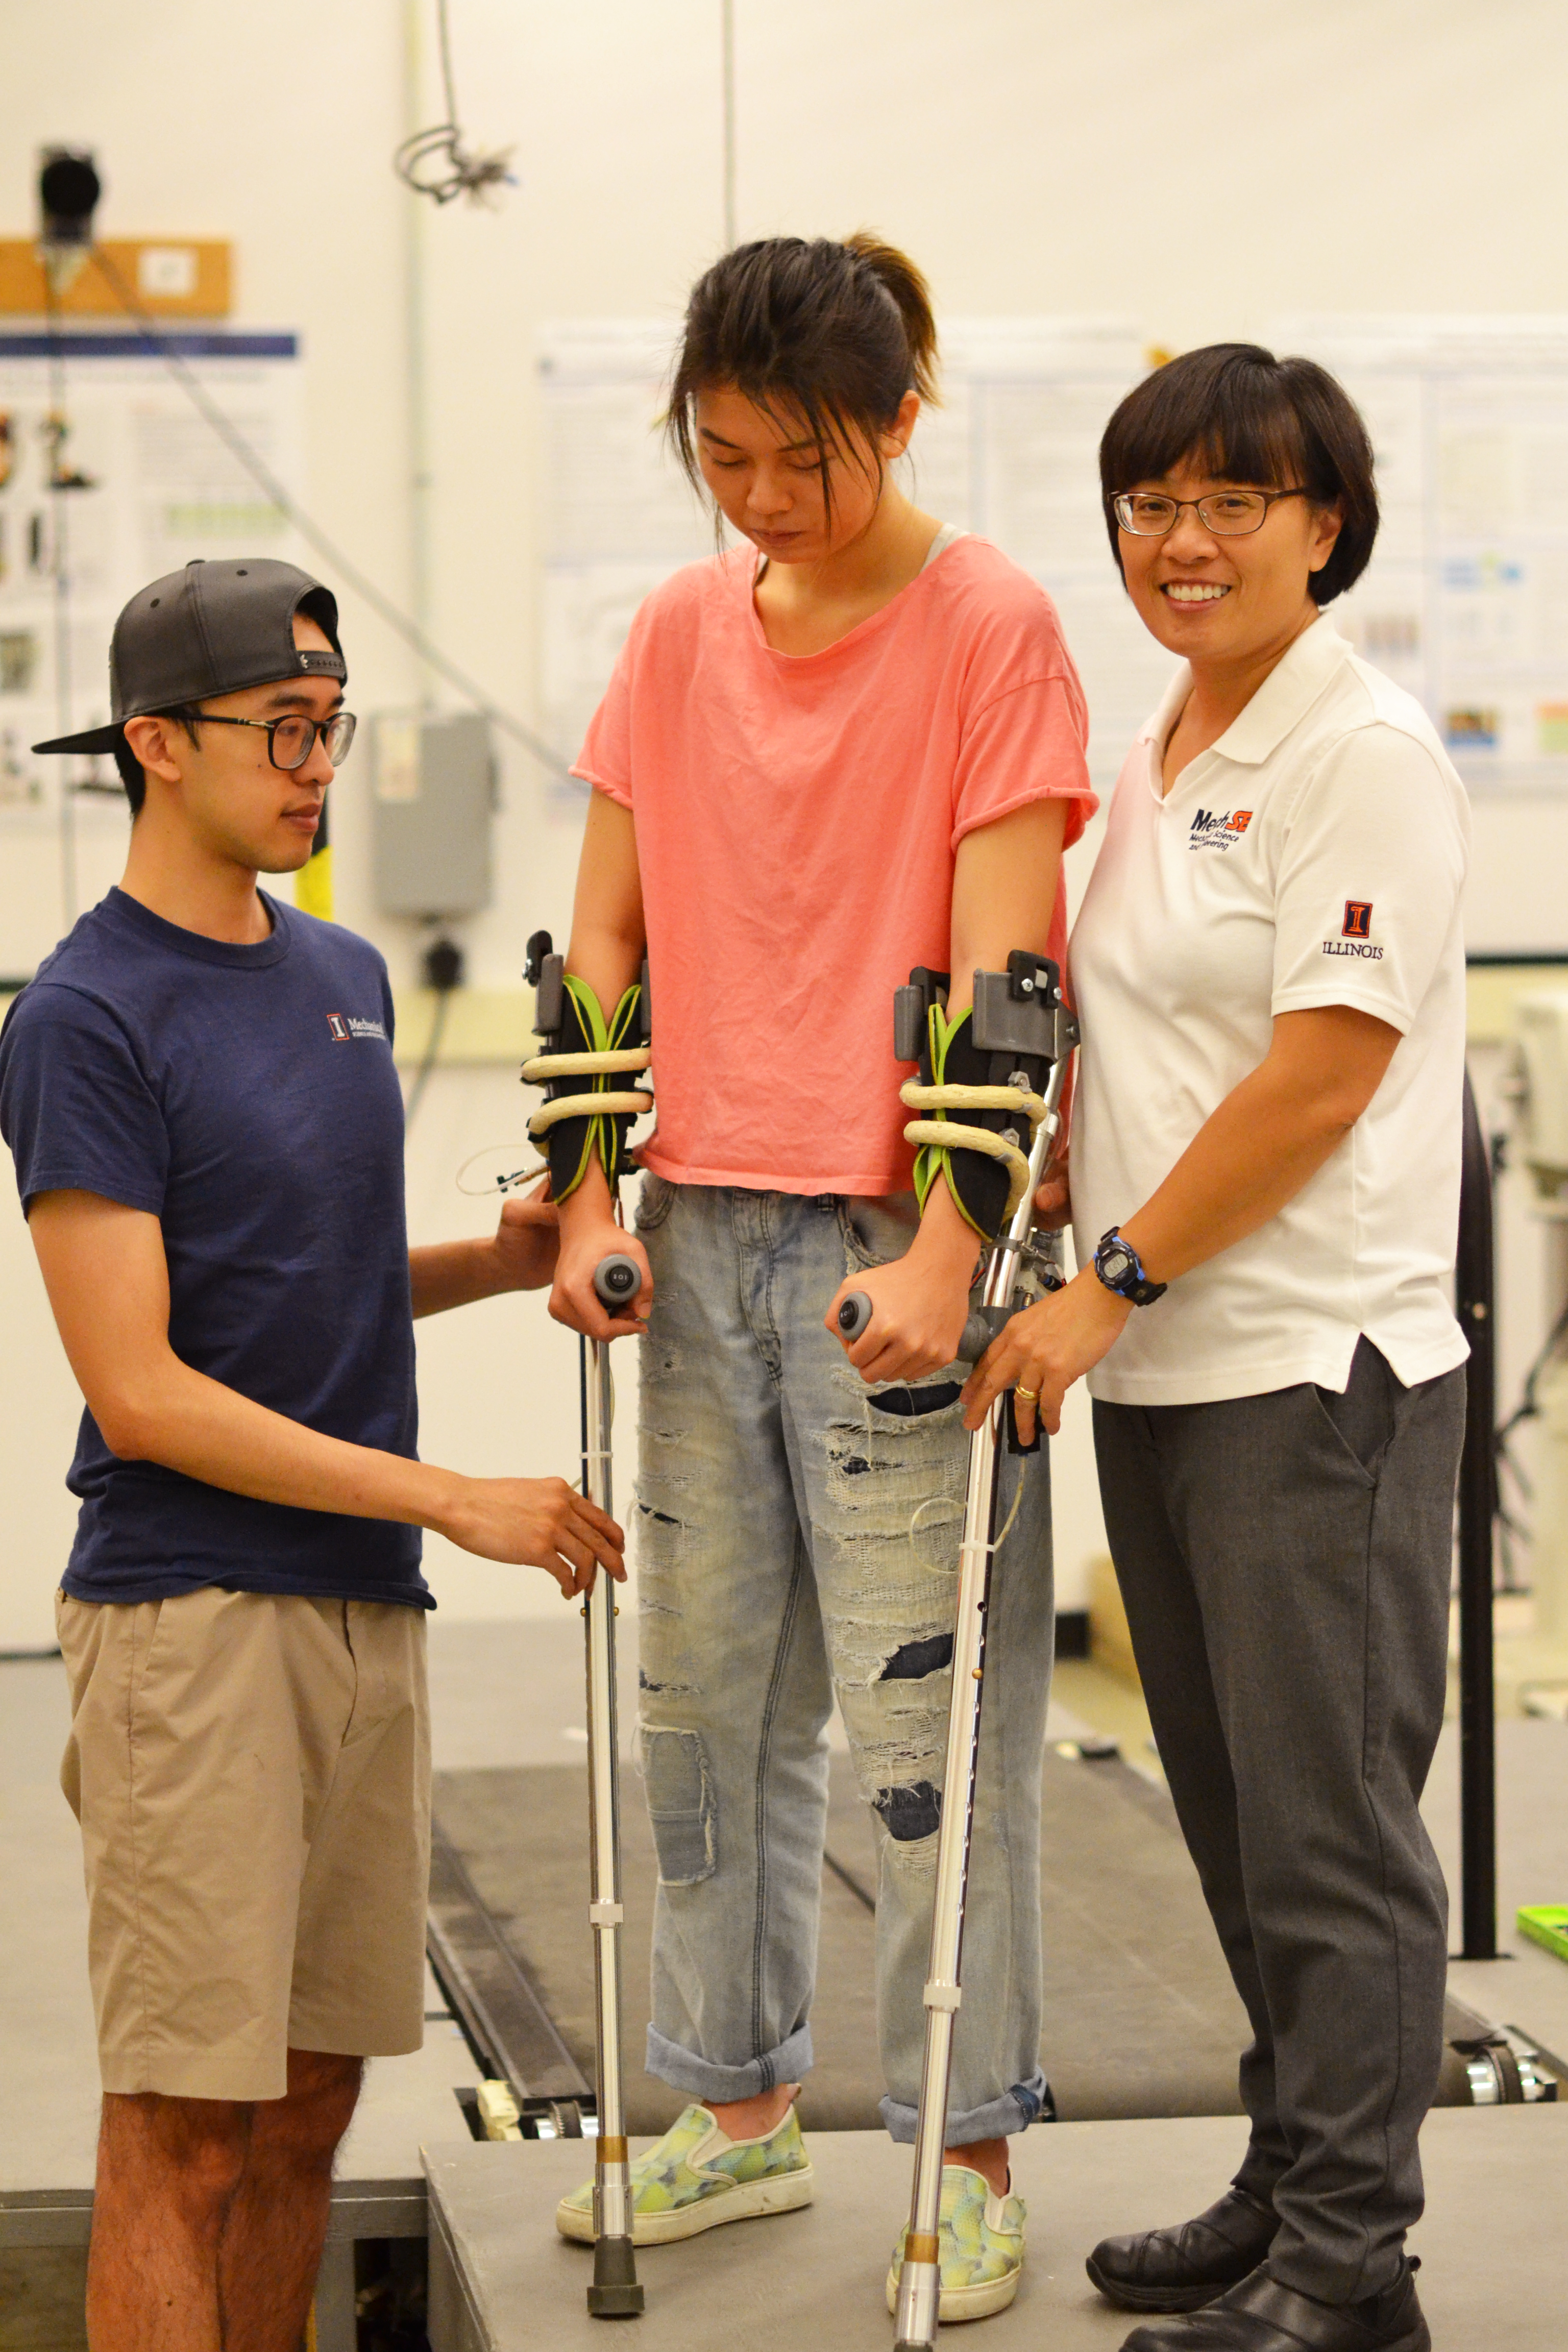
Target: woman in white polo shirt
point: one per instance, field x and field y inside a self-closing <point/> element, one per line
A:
<point x="1265" y="1178"/>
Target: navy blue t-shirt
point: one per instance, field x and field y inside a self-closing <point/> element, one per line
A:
<point x="245" y="1096"/>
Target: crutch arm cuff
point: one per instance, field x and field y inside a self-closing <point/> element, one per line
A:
<point x="582" y="1060"/>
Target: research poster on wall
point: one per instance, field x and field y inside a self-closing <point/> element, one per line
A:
<point x="1011" y="452"/>
<point x="1466" y="599"/>
<point x="1466" y="602"/>
<point x="109" y="478"/>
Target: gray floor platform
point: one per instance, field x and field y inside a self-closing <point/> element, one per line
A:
<point x="501" y="2281"/>
<point x="506" y="1698"/>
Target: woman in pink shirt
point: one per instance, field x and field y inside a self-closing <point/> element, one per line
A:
<point x="851" y="744"/>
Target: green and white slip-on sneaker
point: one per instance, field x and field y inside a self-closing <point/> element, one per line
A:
<point x="696" y="2178"/>
<point x="981" y="2240"/>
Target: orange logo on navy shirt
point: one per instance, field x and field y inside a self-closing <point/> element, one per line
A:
<point x="339" y="1027"/>
<point x="1357" y="924"/>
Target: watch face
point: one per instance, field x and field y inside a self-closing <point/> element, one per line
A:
<point x="1116" y="1261"/>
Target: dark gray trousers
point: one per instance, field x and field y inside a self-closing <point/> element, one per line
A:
<point x="1286" y="1561"/>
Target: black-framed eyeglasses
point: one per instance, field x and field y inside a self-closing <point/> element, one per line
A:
<point x="291" y="739"/>
<point x="1229" y="514"/>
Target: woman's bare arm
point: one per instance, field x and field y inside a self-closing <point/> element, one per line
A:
<point x="1005" y="885"/>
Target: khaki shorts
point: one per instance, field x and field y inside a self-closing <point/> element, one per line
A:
<point x="252" y="1776"/>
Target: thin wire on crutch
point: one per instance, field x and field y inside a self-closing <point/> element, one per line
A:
<point x="467" y="172"/>
<point x="261" y="474"/>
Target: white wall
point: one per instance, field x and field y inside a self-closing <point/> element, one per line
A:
<point x="1199" y="167"/>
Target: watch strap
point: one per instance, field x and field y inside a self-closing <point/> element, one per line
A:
<point x="1131" y="1283"/>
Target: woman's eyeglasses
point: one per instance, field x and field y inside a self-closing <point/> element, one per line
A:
<point x="292" y="740"/>
<point x="1229" y="514"/>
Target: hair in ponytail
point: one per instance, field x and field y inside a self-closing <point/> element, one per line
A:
<point x="834" y="335"/>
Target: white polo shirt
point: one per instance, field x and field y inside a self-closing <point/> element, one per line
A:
<point x="1314" y="855"/>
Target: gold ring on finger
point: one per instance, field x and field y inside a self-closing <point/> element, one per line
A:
<point x="1030" y="1396"/>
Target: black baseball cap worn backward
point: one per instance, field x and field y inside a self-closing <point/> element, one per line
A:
<point x="213" y="628"/>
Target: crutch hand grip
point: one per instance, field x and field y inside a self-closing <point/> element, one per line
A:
<point x="618" y="1278"/>
<point x="855" y="1314"/>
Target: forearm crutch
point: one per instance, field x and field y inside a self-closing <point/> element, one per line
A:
<point x="589" y="1109"/>
<point x="1041" y="1031"/>
<point x="615" y="2292"/>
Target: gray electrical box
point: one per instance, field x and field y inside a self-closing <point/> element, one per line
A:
<point x="432" y="813"/>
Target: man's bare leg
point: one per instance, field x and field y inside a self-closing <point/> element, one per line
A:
<point x="276" y="2220"/>
<point x="168" y="2170"/>
<point x="210" y="2214"/>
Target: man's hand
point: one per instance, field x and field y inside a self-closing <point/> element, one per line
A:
<point x="1045" y="1349"/>
<point x="527" y="1240"/>
<point x="536" y="1523"/>
<point x="518" y="1255"/>
<point x="1053" y="1200"/>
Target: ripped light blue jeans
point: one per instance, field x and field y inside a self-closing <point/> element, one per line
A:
<point x="797" y="1540"/>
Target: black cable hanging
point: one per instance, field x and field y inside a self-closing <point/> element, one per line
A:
<point x="438" y="162"/>
<point x="312" y="532"/>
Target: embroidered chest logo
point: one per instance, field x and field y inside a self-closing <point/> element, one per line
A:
<point x="1215" y="829"/>
<point x="345" y="1028"/>
<point x="1355" y="933"/>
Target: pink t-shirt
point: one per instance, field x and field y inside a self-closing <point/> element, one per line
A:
<point x="797" y="821"/>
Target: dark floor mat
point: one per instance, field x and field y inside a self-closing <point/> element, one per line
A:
<point x="1140" y="2019"/>
<point x="524" y="1836"/>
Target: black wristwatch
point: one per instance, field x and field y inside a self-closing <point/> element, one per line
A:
<point x="1120" y="1269"/>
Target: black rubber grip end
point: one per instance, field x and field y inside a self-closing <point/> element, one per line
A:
<point x="614" y="2293"/>
<point x="615" y="2302"/>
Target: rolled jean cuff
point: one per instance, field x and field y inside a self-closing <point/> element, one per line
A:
<point x="1014" y="2111"/>
<point x="790" y="2063"/>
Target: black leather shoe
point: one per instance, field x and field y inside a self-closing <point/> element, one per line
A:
<point x="1262" y="2315"/>
<point x="1183" y="2269"/>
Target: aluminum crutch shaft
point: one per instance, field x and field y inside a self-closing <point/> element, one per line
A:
<point x="615" y="2292"/>
<point x="920" y="2275"/>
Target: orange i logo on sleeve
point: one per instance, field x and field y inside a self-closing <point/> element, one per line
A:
<point x="1357" y="924"/>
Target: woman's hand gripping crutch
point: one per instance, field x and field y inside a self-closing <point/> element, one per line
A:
<point x="1024" y="1035"/>
<point x="599" y="1055"/>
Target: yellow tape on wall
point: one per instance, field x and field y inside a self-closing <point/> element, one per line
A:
<point x="313" y="882"/>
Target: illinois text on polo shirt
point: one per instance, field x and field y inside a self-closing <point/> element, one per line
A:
<point x="1353" y="940"/>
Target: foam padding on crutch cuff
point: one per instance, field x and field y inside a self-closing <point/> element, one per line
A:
<point x="979" y="1186"/>
<point x="570" y="1143"/>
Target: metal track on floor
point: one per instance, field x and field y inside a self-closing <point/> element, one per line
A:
<point x="494" y="1999"/>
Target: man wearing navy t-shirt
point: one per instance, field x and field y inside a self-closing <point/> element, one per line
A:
<point x="199" y="1092"/>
